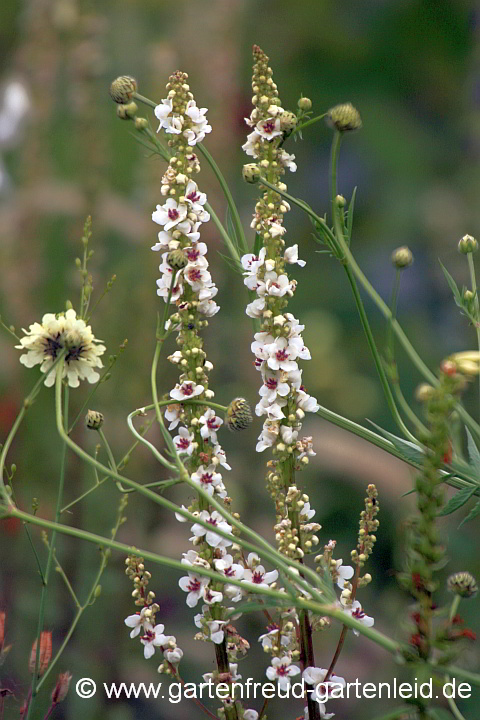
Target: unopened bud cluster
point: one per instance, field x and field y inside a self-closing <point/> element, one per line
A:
<point x="344" y="118"/>
<point x="140" y="577"/>
<point x="462" y="584"/>
<point x="368" y="527"/>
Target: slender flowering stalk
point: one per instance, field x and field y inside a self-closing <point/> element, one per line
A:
<point x="277" y="349"/>
<point x="187" y="283"/>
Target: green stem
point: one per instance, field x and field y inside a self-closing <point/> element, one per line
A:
<point x="451" y="702"/>
<point x="377" y="359"/>
<point x="473" y="279"/>
<point x="383" y="307"/>
<point x="228" y="196"/>
<point x="51" y="549"/>
<point x="226" y="237"/>
<point x="144" y="100"/>
<point x="307" y="123"/>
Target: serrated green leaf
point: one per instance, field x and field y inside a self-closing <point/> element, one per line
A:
<point x="473" y="453"/>
<point x="453" y="286"/>
<point x="471" y="515"/>
<point x="351" y="208"/>
<point x="458" y="500"/>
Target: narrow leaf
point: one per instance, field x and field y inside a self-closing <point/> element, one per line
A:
<point x="471" y="515"/>
<point x="473" y="453"/>
<point x="410" y="451"/>
<point x="453" y="286"/>
<point x="458" y="500"/>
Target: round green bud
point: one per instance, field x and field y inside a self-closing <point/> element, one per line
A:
<point x="141" y="123"/>
<point x="122" y="113"/>
<point x="424" y="392"/>
<point x="340" y="201"/>
<point x="402" y="257"/>
<point x="251" y="173"/>
<point x="467" y="244"/>
<point x="288" y="121"/>
<point x="122" y="88"/>
<point x="463" y="584"/>
<point x="468" y="295"/>
<point x="94" y="420"/>
<point x="239" y="415"/>
<point x="344" y="118"/>
<point x="304" y="104"/>
<point x="177" y="259"/>
<point x="131" y="109"/>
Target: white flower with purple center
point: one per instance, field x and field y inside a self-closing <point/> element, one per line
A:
<point x="279" y="285"/>
<point x="170" y="214"/>
<point x="356" y="611"/>
<point x="287" y="160"/>
<point x="184" y="441"/>
<point x="281" y="355"/>
<point x="210" y="424"/>
<point x="216" y="521"/>
<point x="269" y="128"/>
<point x="195" y="198"/>
<point x="186" y="390"/>
<point x="315" y="677"/>
<point x="250" y="146"/>
<point x="194" y="585"/>
<point x="282" y="670"/>
<point x="273" y="385"/>
<point x="258" y="576"/>
<point x="168" y="122"/>
<point x="153" y="637"/>
<point x="207" y="478"/>
<point x="343" y="573"/>
<point x="212" y="596"/>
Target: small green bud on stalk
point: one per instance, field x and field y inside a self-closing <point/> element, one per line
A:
<point x="402" y="257"/>
<point x="141" y="123"/>
<point x="131" y="110"/>
<point x="94" y="420"/>
<point x="122" y="88"/>
<point x="304" y="104"/>
<point x="424" y="392"/>
<point x="462" y="584"/>
<point x="467" y="244"/>
<point x="344" y="118"/>
<point x="251" y="173"/>
<point x="340" y="201"/>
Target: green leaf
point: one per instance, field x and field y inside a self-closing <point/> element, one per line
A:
<point x="458" y="500"/>
<point x="257" y="246"/>
<point x="453" y="286"/>
<point x="410" y="451"/>
<point x="472" y="514"/>
<point x="473" y="453"/>
<point x="351" y="208"/>
<point x="230" y="227"/>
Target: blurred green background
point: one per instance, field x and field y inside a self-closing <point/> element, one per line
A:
<point x="412" y="69"/>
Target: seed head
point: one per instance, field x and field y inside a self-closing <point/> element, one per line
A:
<point x="344" y="118"/>
<point x="122" y="88"/>
<point x="94" y="420"/>
<point x="177" y="259"/>
<point x="463" y="584"/>
<point x="239" y="415"/>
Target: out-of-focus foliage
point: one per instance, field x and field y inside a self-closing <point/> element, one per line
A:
<point x="411" y="67"/>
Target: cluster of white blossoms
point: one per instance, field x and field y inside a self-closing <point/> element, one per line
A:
<point x="143" y="624"/>
<point x="63" y="333"/>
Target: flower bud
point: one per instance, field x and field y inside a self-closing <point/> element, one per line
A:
<point x="288" y="121"/>
<point x="141" y="123"/>
<point x="468" y="295"/>
<point x="304" y="104"/>
<point x="402" y="257"/>
<point x="340" y="201"/>
<point x="131" y="109"/>
<point x="344" y="118"/>
<point x="177" y="259"/>
<point x="122" y="88"/>
<point x="251" y="173"/>
<point x="463" y="584"/>
<point x="61" y="688"/>
<point x="424" y="392"/>
<point x="94" y="420"/>
<point x="45" y="653"/>
<point x="467" y="244"/>
<point x="239" y="415"/>
<point x="467" y="362"/>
